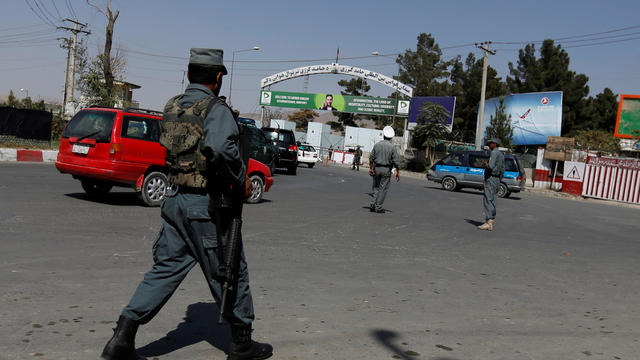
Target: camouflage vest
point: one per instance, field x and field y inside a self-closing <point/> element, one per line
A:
<point x="183" y="136"/>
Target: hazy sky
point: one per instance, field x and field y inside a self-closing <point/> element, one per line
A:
<point x="299" y="30"/>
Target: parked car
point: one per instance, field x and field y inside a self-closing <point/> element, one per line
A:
<point x="307" y="154"/>
<point x="106" y="147"/>
<point x="462" y="169"/>
<point x="262" y="149"/>
<point x="285" y="140"/>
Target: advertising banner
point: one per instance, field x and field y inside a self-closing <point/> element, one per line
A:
<point x="443" y="106"/>
<point x="332" y="102"/>
<point x="628" y="121"/>
<point x="534" y="116"/>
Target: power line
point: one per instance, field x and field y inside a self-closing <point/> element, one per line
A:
<point x="567" y="37"/>
<point x="71" y="11"/>
<point x="56" y="8"/>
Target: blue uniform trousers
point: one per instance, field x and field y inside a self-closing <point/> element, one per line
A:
<point x="489" y="200"/>
<point x="188" y="236"/>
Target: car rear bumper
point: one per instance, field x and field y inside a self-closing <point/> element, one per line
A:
<point x="307" y="160"/>
<point x="108" y="170"/>
<point x="268" y="181"/>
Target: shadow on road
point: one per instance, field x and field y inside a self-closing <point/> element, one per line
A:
<point x="477" y="192"/>
<point x="199" y="324"/>
<point x="113" y="198"/>
<point x="473" y="222"/>
<point x="388" y="338"/>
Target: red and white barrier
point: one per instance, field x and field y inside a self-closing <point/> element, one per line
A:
<point x="544" y="173"/>
<point x="612" y="179"/>
<point x="28" y="155"/>
<point x="343" y="157"/>
<point x="573" y="177"/>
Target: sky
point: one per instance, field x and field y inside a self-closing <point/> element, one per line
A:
<point x="156" y="36"/>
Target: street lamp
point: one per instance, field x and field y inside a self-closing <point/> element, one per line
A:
<point x="376" y="53"/>
<point x="26" y="91"/>
<point x="233" y="59"/>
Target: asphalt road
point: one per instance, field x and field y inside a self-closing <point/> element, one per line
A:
<point x="557" y="279"/>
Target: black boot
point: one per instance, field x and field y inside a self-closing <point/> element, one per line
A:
<point x="122" y="345"/>
<point x="243" y="348"/>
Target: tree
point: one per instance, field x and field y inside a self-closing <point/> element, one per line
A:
<point x="466" y="85"/>
<point x="432" y="112"/>
<point x="500" y="126"/>
<point x="551" y="72"/>
<point x="352" y="87"/>
<point x="12" y="100"/>
<point x="431" y="127"/>
<point x="91" y="82"/>
<point x="424" y="68"/>
<point x="302" y="118"/>
<point x="105" y="57"/>
<point x="598" y="140"/>
<point x="425" y="137"/>
<point x="605" y="110"/>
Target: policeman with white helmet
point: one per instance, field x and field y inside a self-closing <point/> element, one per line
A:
<point x="382" y="160"/>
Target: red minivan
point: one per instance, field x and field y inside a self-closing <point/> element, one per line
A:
<point x="106" y="147"/>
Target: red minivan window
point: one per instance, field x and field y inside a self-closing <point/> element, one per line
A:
<point x="88" y="124"/>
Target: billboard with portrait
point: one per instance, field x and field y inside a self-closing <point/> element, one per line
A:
<point x="628" y="120"/>
<point x="534" y="116"/>
<point x="442" y="105"/>
<point x="333" y="102"/>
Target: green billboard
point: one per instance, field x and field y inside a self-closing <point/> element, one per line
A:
<point x="334" y="102"/>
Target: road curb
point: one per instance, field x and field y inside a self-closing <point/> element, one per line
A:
<point x="26" y="155"/>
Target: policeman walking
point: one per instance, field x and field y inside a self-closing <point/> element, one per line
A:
<point x="493" y="171"/>
<point x="382" y="159"/>
<point x="357" y="157"/>
<point x="201" y="137"/>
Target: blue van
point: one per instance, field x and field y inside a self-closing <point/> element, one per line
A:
<point x="463" y="169"/>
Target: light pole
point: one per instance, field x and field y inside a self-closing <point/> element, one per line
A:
<point x="233" y="60"/>
<point x="26" y="91"/>
<point x="376" y="53"/>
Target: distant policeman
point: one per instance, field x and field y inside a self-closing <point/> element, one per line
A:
<point x="201" y="136"/>
<point x="493" y="171"/>
<point x="383" y="158"/>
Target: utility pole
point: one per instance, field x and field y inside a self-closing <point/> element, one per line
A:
<point x="77" y="28"/>
<point x="484" y="46"/>
<point x="66" y="74"/>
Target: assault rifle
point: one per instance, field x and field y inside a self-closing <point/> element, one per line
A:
<point x="230" y="206"/>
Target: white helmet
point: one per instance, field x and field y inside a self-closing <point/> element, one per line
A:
<point x="388" y="132"/>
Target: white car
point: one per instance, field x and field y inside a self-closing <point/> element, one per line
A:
<point x="307" y="154"/>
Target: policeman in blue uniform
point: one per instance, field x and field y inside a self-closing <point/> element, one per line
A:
<point x="493" y="171"/>
<point x="189" y="234"/>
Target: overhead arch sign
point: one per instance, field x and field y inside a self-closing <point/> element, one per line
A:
<point x="336" y="68"/>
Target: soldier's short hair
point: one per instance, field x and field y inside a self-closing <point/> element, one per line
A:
<point x="203" y="74"/>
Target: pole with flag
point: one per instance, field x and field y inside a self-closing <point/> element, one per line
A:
<point x="337" y="54"/>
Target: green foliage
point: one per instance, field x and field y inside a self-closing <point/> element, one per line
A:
<point x="302" y="118"/>
<point x="424" y="68"/>
<point x="466" y="84"/>
<point x="426" y="136"/>
<point x="12" y="100"/>
<point x="550" y="72"/>
<point x="500" y="126"/>
<point x="352" y="87"/>
<point x="93" y="87"/>
<point x="336" y="126"/>
<point x="598" y="140"/>
<point x="604" y="111"/>
<point x="432" y="112"/>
